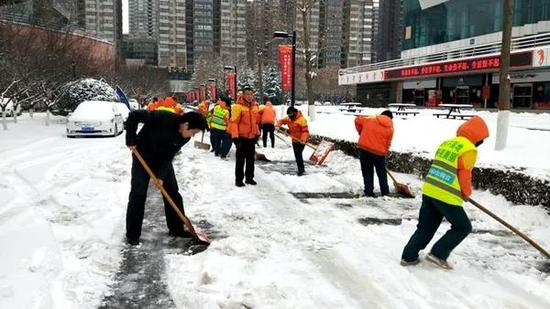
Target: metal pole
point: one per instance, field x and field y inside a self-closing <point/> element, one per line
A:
<point x="293" y="68"/>
<point x="236" y="90"/>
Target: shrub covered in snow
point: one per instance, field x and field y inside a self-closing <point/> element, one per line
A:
<point x="76" y="92"/>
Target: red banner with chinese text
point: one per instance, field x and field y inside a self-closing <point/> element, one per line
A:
<point x="213" y="93"/>
<point x="202" y="93"/>
<point x="230" y="80"/>
<point x="285" y="61"/>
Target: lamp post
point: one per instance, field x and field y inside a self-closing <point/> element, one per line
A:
<point x="73" y="66"/>
<point x="281" y="34"/>
<point x="234" y="69"/>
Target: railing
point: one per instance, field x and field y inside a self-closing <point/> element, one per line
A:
<point x="478" y="50"/>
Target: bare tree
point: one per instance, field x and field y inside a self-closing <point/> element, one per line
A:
<point x="504" y="88"/>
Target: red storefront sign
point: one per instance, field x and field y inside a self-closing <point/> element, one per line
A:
<point x="230" y="84"/>
<point x="491" y="63"/>
<point x="285" y="60"/>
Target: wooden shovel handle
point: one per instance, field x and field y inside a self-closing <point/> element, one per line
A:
<point x="299" y="141"/>
<point x="391" y="176"/>
<point x="183" y="218"/>
<point x="513" y="229"/>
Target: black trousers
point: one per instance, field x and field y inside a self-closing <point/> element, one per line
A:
<point x="138" y="195"/>
<point x="268" y="128"/>
<point x="298" y="150"/>
<point x="432" y="212"/>
<point x="369" y="162"/>
<point x="217" y="139"/>
<point x="245" y="154"/>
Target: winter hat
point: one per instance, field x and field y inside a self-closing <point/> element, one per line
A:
<point x="387" y="113"/>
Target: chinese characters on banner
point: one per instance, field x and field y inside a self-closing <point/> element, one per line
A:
<point x="285" y="60"/>
<point x="230" y="80"/>
<point x="202" y="93"/>
<point x="213" y="93"/>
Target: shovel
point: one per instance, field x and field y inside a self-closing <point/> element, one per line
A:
<point x="401" y="188"/>
<point x="201" y="145"/>
<point x="513" y="229"/>
<point x="297" y="140"/>
<point x="199" y="234"/>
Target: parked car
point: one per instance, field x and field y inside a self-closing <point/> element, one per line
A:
<point x="134" y="104"/>
<point x="10" y="112"/>
<point x="95" y="118"/>
<point x="122" y="109"/>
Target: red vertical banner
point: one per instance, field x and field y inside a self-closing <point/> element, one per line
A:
<point x="285" y="61"/>
<point x="202" y="93"/>
<point x="230" y="80"/>
<point x="197" y="94"/>
<point x="213" y="93"/>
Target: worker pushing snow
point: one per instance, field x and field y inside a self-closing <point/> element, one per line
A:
<point x="447" y="185"/>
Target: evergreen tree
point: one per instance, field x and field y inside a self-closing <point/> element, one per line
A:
<point x="272" y="88"/>
<point x="247" y="78"/>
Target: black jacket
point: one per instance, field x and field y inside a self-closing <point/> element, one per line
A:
<point x="159" y="140"/>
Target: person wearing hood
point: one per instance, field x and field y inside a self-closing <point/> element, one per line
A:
<point x="243" y="127"/>
<point x="375" y="137"/>
<point x="269" y="118"/>
<point x="297" y="127"/>
<point x="447" y="185"/>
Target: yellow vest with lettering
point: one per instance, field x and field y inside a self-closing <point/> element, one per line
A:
<point x="441" y="182"/>
<point x="219" y="116"/>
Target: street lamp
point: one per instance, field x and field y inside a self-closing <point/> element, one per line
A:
<point x="234" y="69"/>
<point x="282" y="34"/>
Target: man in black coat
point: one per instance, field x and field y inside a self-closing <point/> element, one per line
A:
<point x="162" y="136"/>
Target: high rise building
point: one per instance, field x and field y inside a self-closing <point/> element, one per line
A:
<point x="143" y="18"/>
<point x="331" y="32"/>
<point x="233" y="31"/>
<point x="360" y="18"/>
<point x="100" y="18"/>
<point x="172" y="49"/>
<point x="313" y="18"/>
<point x="390" y="30"/>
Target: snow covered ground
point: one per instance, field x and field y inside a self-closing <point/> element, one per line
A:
<point x="528" y="147"/>
<point x="275" y="245"/>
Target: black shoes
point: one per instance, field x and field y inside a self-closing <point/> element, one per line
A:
<point x="251" y="182"/>
<point x="132" y="241"/>
<point x="239" y="183"/>
<point x="301" y="173"/>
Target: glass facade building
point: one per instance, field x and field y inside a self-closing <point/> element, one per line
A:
<point x="461" y="19"/>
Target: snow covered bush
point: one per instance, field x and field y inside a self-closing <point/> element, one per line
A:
<point x="76" y="92"/>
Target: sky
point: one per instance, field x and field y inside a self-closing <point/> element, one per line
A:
<point x="125" y="26"/>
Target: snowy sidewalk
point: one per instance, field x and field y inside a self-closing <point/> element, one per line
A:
<point x="277" y="251"/>
<point x="290" y="242"/>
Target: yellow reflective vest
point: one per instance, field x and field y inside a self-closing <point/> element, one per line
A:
<point x="219" y="118"/>
<point x="441" y="182"/>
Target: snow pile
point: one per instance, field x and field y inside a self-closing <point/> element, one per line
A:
<point x="76" y="92"/>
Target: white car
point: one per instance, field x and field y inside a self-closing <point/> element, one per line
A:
<point x="95" y="118"/>
<point x="133" y="104"/>
<point x="122" y="109"/>
<point x="9" y="108"/>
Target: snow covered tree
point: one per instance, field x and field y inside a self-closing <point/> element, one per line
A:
<point x="247" y="78"/>
<point x="74" y="93"/>
<point x="272" y="87"/>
